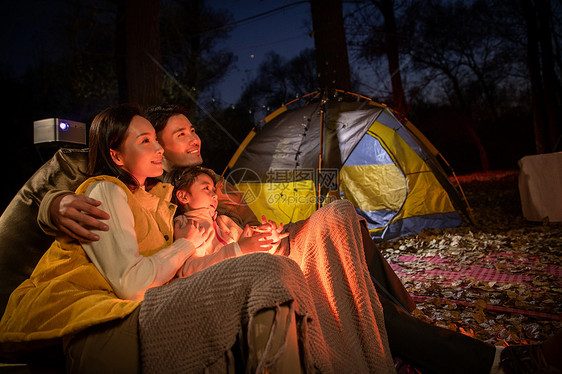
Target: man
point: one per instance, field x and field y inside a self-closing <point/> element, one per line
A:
<point x="428" y="347"/>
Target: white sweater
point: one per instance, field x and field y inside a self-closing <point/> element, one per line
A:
<point x="221" y="245"/>
<point x="116" y="255"/>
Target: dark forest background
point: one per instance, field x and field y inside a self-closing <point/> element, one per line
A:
<point x="481" y="79"/>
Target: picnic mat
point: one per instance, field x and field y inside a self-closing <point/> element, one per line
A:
<point x="498" y="270"/>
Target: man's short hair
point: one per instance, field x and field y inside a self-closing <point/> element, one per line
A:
<point x="160" y="114"/>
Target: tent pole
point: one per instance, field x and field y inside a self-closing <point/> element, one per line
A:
<point x="322" y="113"/>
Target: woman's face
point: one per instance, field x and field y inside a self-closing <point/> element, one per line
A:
<point x="140" y="154"/>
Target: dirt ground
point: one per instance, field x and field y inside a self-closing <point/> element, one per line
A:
<point x="497" y="311"/>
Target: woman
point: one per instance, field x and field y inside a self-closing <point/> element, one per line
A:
<point x="72" y="288"/>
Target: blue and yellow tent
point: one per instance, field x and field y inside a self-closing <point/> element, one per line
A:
<point x="304" y="154"/>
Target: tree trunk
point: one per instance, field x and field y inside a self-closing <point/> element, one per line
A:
<point x="138" y="47"/>
<point x="194" y="64"/>
<point x="120" y="52"/>
<point x="548" y="74"/>
<point x="471" y="130"/>
<point x="533" y="65"/>
<point x="386" y="7"/>
<point x="329" y="41"/>
<point x="469" y="123"/>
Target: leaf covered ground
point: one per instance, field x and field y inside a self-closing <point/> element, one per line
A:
<point x="522" y="306"/>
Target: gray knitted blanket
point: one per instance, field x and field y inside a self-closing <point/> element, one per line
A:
<point x="190" y="324"/>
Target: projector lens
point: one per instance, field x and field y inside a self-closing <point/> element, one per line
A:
<point x="64" y="126"/>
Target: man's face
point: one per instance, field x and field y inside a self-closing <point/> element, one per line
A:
<point x="182" y="146"/>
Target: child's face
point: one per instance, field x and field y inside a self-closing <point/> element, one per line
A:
<point x="201" y="194"/>
<point x="140" y="153"/>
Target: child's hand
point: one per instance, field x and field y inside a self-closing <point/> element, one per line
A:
<point x="191" y="231"/>
<point x="251" y="241"/>
<point x="273" y="230"/>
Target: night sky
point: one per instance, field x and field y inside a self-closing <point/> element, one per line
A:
<point x="25" y="34"/>
<point x="287" y="32"/>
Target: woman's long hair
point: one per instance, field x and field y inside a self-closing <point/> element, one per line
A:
<point x="108" y="131"/>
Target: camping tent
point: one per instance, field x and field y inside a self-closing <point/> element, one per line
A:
<point x="302" y="154"/>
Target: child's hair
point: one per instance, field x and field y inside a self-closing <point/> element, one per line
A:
<point x="183" y="178"/>
<point x="108" y="131"/>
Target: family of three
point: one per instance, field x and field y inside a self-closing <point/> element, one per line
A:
<point x="125" y="287"/>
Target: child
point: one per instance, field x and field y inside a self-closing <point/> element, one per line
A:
<point x="195" y="195"/>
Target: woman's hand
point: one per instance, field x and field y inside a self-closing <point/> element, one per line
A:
<point x="191" y="231"/>
<point x="251" y="241"/>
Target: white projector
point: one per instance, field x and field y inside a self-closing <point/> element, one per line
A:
<point x="57" y="130"/>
